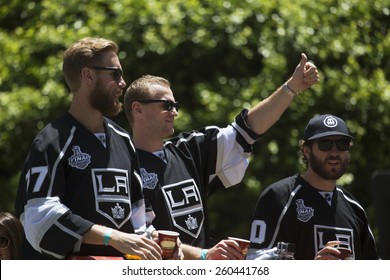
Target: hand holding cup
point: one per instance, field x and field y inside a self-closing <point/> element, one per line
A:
<point x="243" y="243"/>
<point x="168" y="242"/>
<point x="345" y="253"/>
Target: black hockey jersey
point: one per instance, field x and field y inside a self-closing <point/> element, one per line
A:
<point x="196" y="164"/>
<point x="293" y="211"/>
<point x="71" y="181"/>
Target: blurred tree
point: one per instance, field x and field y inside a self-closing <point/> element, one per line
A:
<point x="220" y="56"/>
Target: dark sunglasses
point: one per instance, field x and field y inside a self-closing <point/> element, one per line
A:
<point x="116" y="72"/>
<point x="168" y="104"/>
<point x="4" y="242"/>
<point x="325" y="145"/>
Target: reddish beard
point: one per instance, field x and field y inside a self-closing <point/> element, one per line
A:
<point x="103" y="100"/>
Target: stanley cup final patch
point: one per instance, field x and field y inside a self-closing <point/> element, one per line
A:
<point x="185" y="206"/>
<point x="304" y="213"/>
<point x="79" y="159"/>
<point x="149" y="180"/>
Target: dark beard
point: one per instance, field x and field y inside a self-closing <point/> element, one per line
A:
<point x="102" y="100"/>
<point x="317" y="166"/>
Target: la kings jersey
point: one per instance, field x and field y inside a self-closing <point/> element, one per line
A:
<point x="293" y="211"/>
<point x="196" y="164"/>
<point x="71" y="181"/>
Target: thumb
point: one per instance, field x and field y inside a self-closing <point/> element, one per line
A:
<point x="303" y="61"/>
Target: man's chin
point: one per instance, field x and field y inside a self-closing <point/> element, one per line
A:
<point x="169" y="134"/>
<point x="113" y="112"/>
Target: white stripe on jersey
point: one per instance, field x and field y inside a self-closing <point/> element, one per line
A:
<point x="67" y="230"/>
<point x="292" y="194"/>
<point x="357" y="204"/>
<point x="123" y="134"/>
<point x="192" y="135"/>
<point x="53" y="254"/>
<point x="39" y="215"/>
<point x="349" y="199"/>
<point x="232" y="161"/>
<point x="53" y="174"/>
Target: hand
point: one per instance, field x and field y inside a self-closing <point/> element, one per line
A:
<point x="134" y="244"/>
<point x="304" y="76"/>
<point x="178" y="254"/>
<point x="329" y="252"/>
<point x="225" y="250"/>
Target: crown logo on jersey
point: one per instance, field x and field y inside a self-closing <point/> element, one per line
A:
<point x="304" y="213"/>
<point x="79" y="159"/>
<point x="118" y="212"/>
<point x="149" y="180"/>
<point x="191" y="223"/>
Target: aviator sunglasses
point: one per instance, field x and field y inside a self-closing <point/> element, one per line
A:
<point x="4" y="242"/>
<point x="116" y="72"/>
<point x="326" y="145"/>
<point x="168" y="104"/>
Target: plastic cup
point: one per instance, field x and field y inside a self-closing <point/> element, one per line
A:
<point x="244" y="244"/>
<point x="345" y="253"/>
<point x="167" y="240"/>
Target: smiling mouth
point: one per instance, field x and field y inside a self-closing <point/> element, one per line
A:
<point x="333" y="163"/>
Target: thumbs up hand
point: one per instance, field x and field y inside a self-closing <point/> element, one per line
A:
<point x="304" y="76"/>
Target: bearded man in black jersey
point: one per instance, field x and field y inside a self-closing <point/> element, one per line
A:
<point x="310" y="210"/>
<point x="79" y="190"/>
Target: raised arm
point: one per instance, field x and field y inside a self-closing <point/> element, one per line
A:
<point x="268" y="111"/>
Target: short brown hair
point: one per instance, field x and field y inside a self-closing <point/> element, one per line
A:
<point x="83" y="53"/>
<point x="140" y="89"/>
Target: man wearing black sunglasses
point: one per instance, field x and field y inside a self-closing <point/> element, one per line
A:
<point x="310" y="210"/>
<point x="179" y="174"/>
<point x="79" y="191"/>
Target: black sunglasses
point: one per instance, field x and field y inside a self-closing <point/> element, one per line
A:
<point x="325" y="145"/>
<point x="116" y="72"/>
<point x="4" y="242"/>
<point x="168" y="104"/>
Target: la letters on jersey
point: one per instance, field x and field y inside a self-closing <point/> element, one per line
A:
<point x="323" y="234"/>
<point x="112" y="195"/>
<point x="185" y="206"/>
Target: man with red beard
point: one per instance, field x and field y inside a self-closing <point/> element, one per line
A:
<point x="80" y="188"/>
<point x="310" y="210"/>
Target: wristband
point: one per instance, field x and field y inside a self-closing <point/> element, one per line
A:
<point x="203" y="255"/>
<point x="288" y="90"/>
<point x="107" y="236"/>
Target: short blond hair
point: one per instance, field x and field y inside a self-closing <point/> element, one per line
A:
<point x="83" y="53"/>
<point x="140" y="89"/>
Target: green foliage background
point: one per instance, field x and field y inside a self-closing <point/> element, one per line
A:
<point x="220" y="56"/>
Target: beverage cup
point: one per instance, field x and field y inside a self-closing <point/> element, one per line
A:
<point x="167" y="240"/>
<point x="345" y="253"/>
<point x="244" y="244"/>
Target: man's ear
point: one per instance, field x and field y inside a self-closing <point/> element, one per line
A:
<point x="87" y="75"/>
<point x="307" y="151"/>
<point x="136" y="108"/>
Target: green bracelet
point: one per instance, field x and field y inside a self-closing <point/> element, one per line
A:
<point x="107" y="236"/>
<point x="203" y="255"/>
